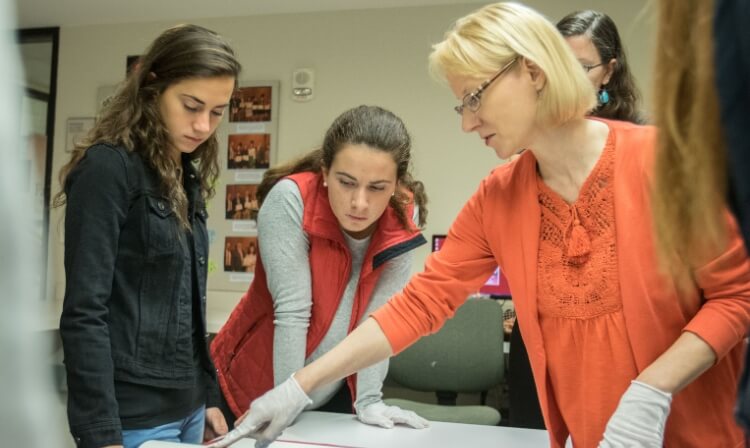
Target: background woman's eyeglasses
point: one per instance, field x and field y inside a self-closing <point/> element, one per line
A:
<point x="473" y="100"/>
<point x="589" y="67"/>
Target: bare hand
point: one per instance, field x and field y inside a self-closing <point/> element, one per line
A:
<point x="216" y="425"/>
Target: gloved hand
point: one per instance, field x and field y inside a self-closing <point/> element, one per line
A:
<point x="639" y="418"/>
<point x="269" y="415"/>
<point x="380" y="414"/>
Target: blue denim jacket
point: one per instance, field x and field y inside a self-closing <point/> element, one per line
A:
<point x="127" y="312"/>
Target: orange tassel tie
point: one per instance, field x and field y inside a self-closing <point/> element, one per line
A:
<point x="579" y="244"/>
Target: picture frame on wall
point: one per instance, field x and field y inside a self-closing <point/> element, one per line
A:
<point x="241" y="202"/>
<point x="76" y="129"/>
<point x="240" y="254"/>
<point x="247" y="148"/>
<point x="131" y="62"/>
<point x="248" y="151"/>
<point x="251" y="104"/>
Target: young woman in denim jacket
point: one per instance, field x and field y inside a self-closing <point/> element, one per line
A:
<point x="136" y="249"/>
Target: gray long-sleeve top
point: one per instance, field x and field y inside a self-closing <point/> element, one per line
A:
<point x="284" y="248"/>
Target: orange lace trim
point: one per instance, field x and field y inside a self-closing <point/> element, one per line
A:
<point x="577" y="263"/>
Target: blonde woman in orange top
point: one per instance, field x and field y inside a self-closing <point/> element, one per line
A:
<point x="620" y="355"/>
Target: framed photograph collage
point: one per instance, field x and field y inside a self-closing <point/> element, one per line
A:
<point x="247" y="146"/>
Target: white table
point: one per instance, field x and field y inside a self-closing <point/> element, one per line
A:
<point x="323" y="429"/>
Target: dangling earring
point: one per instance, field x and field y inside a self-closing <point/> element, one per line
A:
<point x="603" y="96"/>
<point x="325" y="184"/>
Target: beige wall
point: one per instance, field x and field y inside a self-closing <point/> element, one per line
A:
<point x="372" y="56"/>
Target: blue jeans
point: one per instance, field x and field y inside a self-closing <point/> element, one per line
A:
<point x="187" y="430"/>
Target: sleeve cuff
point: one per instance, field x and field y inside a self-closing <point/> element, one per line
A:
<point x="721" y="338"/>
<point x="99" y="437"/>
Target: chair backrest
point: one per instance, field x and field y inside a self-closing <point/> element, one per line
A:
<point x="465" y="355"/>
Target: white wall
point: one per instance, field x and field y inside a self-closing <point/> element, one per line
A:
<point x="359" y="57"/>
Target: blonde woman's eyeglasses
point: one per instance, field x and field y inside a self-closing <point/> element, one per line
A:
<point x="473" y="100"/>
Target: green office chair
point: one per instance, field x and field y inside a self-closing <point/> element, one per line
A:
<point x="465" y="356"/>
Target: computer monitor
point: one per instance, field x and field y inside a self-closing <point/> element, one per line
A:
<point x="496" y="285"/>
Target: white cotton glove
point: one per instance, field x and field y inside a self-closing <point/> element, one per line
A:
<point x="380" y="414"/>
<point x="269" y="415"/>
<point x="639" y="418"/>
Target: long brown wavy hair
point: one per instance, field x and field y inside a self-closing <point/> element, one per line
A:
<point x="131" y="117"/>
<point x="372" y="126"/>
<point x="691" y="183"/>
<point x="624" y="97"/>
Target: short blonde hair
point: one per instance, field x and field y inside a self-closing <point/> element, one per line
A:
<point x="480" y="43"/>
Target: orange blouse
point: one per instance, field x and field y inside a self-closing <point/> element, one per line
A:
<point x="501" y="225"/>
<point x="589" y="359"/>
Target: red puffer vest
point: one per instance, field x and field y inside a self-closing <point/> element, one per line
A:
<point x="243" y="349"/>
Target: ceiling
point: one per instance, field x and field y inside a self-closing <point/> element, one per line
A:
<point x="66" y="13"/>
<point x="48" y="13"/>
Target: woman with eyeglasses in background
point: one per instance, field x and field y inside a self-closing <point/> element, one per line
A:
<point x="596" y="43"/>
<point x="611" y="339"/>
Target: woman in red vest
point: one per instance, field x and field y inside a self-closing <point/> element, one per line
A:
<point x="336" y="229"/>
